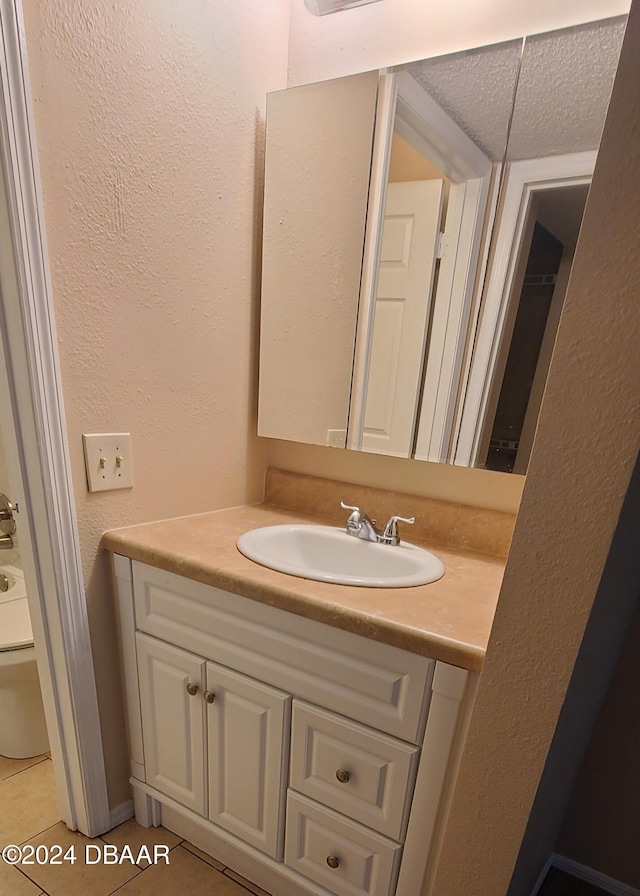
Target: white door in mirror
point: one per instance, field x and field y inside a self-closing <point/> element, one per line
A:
<point x="327" y="554"/>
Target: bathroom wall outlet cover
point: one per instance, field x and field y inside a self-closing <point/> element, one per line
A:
<point x="108" y="460"/>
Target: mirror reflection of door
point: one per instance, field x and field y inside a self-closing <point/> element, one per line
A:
<point x="401" y="315"/>
<point x="413" y="320"/>
<point x="545" y="258"/>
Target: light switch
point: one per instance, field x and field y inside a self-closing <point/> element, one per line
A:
<point x="108" y="460"/>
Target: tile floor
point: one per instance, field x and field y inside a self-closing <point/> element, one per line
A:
<point x="29" y="815"/>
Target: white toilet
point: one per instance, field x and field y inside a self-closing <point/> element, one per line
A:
<point x="23" y="730"/>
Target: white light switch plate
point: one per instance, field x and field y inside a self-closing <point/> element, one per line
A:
<point x="108" y="460"/>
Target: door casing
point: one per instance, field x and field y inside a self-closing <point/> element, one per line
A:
<point x="37" y="456"/>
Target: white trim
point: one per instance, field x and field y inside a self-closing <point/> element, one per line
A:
<point x="542" y="876"/>
<point x="148" y="811"/>
<point x="523" y="180"/>
<point x="445" y="144"/>
<point x="58" y="606"/>
<point x="591" y="876"/>
<point x="452" y="693"/>
<point x="120" y="814"/>
<point x="381" y="151"/>
<point x="453" y="308"/>
<point x="474" y="316"/>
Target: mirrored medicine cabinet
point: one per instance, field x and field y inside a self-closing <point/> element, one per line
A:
<point x="419" y="229"/>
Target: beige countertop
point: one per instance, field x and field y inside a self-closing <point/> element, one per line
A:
<point x="448" y="620"/>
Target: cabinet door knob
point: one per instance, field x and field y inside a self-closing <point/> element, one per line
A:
<point x="342" y="775"/>
<point x="333" y="861"/>
<point x="209" y="696"/>
<point x="192" y="688"/>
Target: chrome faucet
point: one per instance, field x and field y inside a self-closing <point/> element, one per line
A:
<point x="361" y="526"/>
<point x="390" y="534"/>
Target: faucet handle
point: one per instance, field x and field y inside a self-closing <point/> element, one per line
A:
<point x="356" y="516"/>
<point x="390" y="535"/>
<point x="356" y="510"/>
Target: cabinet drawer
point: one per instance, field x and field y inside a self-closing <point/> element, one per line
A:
<point x="362" y="773"/>
<point x="374" y="683"/>
<point x="337" y="853"/>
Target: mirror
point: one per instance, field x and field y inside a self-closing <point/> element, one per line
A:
<point x="448" y="138"/>
<point x="549" y="162"/>
<point x="454" y="373"/>
<point x="317" y="165"/>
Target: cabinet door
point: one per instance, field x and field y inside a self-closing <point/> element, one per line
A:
<point x="248" y="732"/>
<point x="173" y="716"/>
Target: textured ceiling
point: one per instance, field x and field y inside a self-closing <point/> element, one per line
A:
<point x="475" y="88"/>
<point x="564" y="89"/>
<point x="562" y="96"/>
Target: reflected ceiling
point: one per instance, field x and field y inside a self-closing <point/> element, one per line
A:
<point x="475" y="88"/>
<point x="564" y="89"/>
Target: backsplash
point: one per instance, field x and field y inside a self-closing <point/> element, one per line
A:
<point x="451" y="525"/>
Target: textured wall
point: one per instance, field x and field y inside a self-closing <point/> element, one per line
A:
<point x="570" y="506"/>
<point x="398" y="31"/>
<point x="602" y="826"/>
<point x="149" y="119"/>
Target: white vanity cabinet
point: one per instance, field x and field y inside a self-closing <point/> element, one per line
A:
<point x="214" y="740"/>
<point x="310" y="759"/>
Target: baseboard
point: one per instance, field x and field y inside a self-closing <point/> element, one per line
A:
<point x="591" y="876"/>
<point x="121" y="813"/>
<point x="542" y="876"/>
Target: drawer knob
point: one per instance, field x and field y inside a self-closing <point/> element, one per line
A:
<point x="333" y="861"/>
<point x="192" y="688"/>
<point x="209" y="696"/>
<point x="343" y="775"/>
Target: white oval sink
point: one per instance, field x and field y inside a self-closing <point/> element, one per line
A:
<point x="327" y="554"/>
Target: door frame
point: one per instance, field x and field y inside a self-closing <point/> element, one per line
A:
<point x="37" y="455"/>
<point x="471" y="202"/>
<point x="523" y="179"/>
